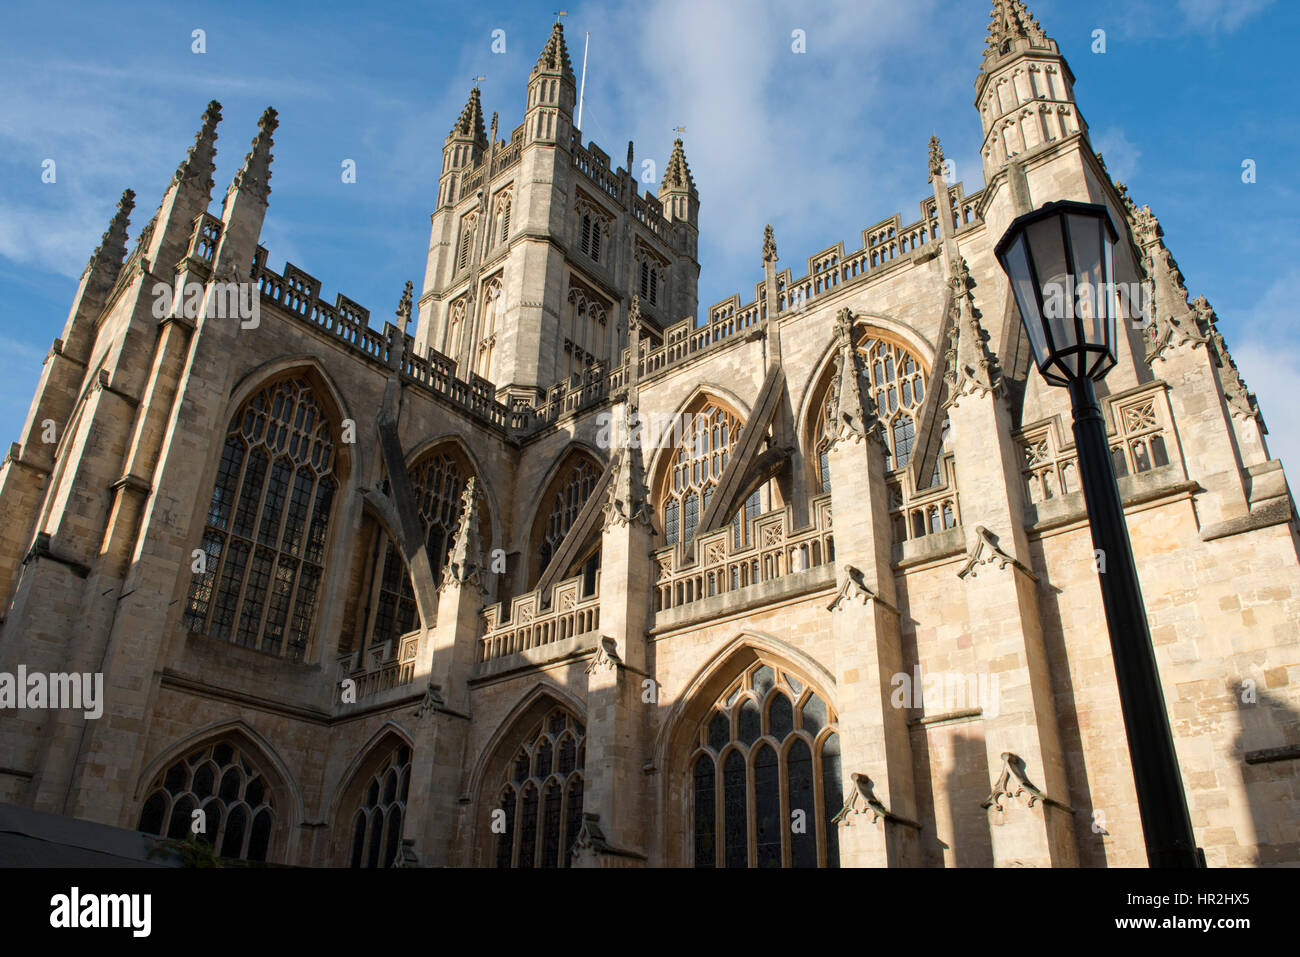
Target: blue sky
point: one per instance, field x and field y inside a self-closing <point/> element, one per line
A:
<point x="820" y="144"/>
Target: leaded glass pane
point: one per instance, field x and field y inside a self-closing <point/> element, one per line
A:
<point x="735" y="811"/>
<point x="706" y="851"/>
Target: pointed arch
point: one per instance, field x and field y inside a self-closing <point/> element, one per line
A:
<point x="748" y="675"/>
<point x="663" y="448"/>
<point x="173" y="771"/>
<point x="277" y="482"/>
<point x="570" y="482"/>
<point x="900" y="401"/>
<point x="369" y="806"/>
<point x="516" y="731"/>
<point x="438" y="470"/>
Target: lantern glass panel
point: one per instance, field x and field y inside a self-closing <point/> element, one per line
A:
<point x="1016" y="262"/>
<point x="1087" y="246"/>
<point x="1047" y="247"/>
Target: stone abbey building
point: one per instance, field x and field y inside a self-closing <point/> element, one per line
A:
<point x="554" y="570"/>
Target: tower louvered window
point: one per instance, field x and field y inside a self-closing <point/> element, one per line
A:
<point x="649" y="283"/>
<point x="263" y="550"/>
<point x="590" y="242"/>
<point x="467" y="229"/>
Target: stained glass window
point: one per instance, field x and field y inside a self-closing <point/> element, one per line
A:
<point x="895" y="380"/>
<point x="223" y="783"/>
<point x="769" y="744"/>
<point x="540" y="803"/>
<point x="377" y="822"/>
<point x="263" y="547"/>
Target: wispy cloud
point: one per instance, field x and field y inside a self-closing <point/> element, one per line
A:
<point x="1268" y="354"/>
<point x="1120" y="153"/>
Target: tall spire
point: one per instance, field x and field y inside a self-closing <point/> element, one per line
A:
<point x="678" y="173"/>
<point x="470" y="122"/>
<point x="255" y="175"/>
<point x="1011" y="27"/>
<point x="200" y="163"/>
<point x="971" y="368"/>
<point x="555" y="55"/>
<point x="111" y="251"/>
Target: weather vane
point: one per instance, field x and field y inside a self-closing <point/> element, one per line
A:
<point x="479" y="79"/>
<point x="679" y="129"/>
<point x="560" y="13"/>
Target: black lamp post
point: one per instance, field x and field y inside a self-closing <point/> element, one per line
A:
<point x="1060" y="262"/>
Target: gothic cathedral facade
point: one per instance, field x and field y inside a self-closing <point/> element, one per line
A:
<point x="552" y="572"/>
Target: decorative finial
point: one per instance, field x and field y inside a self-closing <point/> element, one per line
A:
<point x="200" y="162"/>
<point x="463" y="562"/>
<point x="255" y="175"/>
<point x="769" y="244"/>
<point x="404" y="306"/>
<point x="971" y="368"/>
<point x="111" y="250"/>
<point x="937" y="161"/>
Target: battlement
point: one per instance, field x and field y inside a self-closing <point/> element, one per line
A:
<point x="884" y="244"/>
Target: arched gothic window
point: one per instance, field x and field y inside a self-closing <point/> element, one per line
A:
<point x="766" y="751"/>
<point x="565" y="506"/>
<point x="377" y="821"/>
<point x="707" y="438"/>
<point x="263" y="550"/>
<point x="541" y="796"/>
<point x="437" y="481"/>
<point x="895" y="380"/>
<point x="220" y="780"/>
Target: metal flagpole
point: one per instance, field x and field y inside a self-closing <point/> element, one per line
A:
<point x="583" y="85"/>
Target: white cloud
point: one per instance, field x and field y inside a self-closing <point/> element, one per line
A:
<point x="1268" y="357"/>
<point x="1271" y="370"/>
<point x="1120" y="153"/>
<point x="1214" y="16"/>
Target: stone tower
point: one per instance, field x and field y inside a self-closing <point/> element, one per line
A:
<point x="1025" y="90"/>
<point x="530" y="269"/>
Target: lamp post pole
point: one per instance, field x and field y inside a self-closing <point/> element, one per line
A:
<point x="1161" y="802"/>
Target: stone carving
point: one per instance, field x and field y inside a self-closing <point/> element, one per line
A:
<point x="972" y="369"/>
<point x="862" y="800"/>
<point x="1172" y="323"/>
<point x="986" y="551"/>
<point x="255" y="175"/>
<point x="936" y="159"/>
<point x="853" y="590"/>
<point x="432" y="700"/>
<point x="855" y="412"/>
<point x="111" y="251"/>
<point x="404" y="307"/>
<point x="769" y="244"/>
<point x="1014" y="783"/>
<point x="200" y="162"/>
<point x="606" y="657"/>
<point x="463" y="566"/>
